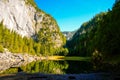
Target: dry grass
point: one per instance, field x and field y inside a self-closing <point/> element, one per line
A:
<point x="56" y="57"/>
<point x="69" y="58"/>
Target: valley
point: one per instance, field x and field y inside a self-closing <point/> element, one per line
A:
<point x="33" y="45"/>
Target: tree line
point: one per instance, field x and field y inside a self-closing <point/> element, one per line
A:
<point x="101" y="34"/>
<point x="42" y="45"/>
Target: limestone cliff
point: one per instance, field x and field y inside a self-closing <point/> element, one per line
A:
<point x="23" y="17"/>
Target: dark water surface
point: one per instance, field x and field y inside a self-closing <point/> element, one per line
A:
<point x="64" y="67"/>
<point x="72" y="70"/>
<point x="54" y="67"/>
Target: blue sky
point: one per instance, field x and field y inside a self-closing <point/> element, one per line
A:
<point x="70" y="14"/>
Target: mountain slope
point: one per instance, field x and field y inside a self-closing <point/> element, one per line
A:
<point x="68" y="34"/>
<point x="99" y="36"/>
<point x="80" y="44"/>
<point x="109" y="31"/>
<point x="24" y="18"/>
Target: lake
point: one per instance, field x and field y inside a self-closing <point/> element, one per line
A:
<point x="75" y="65"/>
<point x="70" y="67"/>
<point x="65" y="65"/>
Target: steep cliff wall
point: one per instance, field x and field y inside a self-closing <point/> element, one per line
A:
<point x="23" y="17"/>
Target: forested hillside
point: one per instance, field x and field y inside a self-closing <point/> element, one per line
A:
<point x="24" y="28"/>
<point x="101" y="34"/>
<point x="82" y="41"/>
<point x="108" y="34"/>
<point x="16" y="44"/>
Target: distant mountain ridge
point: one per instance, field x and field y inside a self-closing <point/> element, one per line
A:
<point x="68" y="34"/>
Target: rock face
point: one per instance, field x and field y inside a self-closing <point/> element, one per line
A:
<point x="25" y="19"/>
<point x="17" y="16"/>
<point x="8" y="59"/>
<point x="68" y="34"/>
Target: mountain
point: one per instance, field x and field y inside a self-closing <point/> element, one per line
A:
<point x="24" y="18"/>
<point x="109" y="31"/>
<point x="68" y="34"/>
<point x="80" y="43"/>
<point x="99" y="36"/>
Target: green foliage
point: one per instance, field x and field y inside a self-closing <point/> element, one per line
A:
<point x="46" y="37"/>
<point x="45" y="67"/>
<point x="43" y="45"/>
<point x="65" y="51"/>
<point x="31" y="2"/>
<point x="102" y="33"/>
<point x="96" y="56"/>
<point x="1" y="48"/>
<point x="62" y="51"/>
<point x="14" y="42"/>
<point x="10" y="71"/>
<point x="54" y="67"/>
<point x="109" y="31"/>
<point x="82" y="42"/>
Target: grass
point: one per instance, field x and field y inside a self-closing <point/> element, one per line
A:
<point x="73" y="58"/>
<point x="56" y="57"/>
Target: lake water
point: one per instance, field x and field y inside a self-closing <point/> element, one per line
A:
<point x="66" y="66"/>
<point x="80" y="70"/>
<point x="54" y="67"/>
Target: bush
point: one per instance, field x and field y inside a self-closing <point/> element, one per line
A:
<point x="1" y="48"/>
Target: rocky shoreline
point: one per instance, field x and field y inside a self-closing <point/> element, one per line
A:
<point x="8" y="59"/>
<point x="41" y="76"/>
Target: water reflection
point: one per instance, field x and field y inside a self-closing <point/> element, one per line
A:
<point x="76" y="67"/>
<point x="54" y="67"/>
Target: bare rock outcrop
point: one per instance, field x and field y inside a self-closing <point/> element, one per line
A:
<point x="9" y="59"/>
<point x="25" y="19"/>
